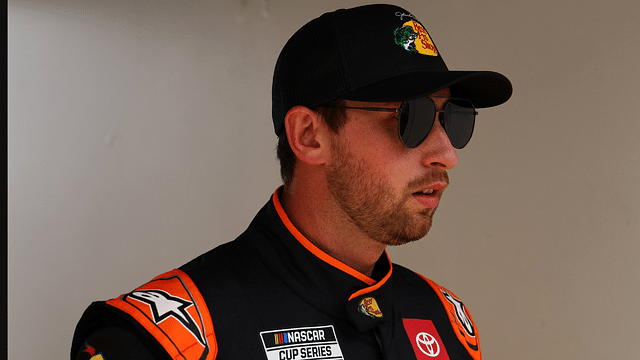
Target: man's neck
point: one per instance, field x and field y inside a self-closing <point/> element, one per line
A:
<point x="316" y="215"/>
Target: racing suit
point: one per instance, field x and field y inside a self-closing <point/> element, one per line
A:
<point x="272" y="294"/>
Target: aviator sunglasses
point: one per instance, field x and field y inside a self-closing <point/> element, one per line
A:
<point x="416" y="117"/>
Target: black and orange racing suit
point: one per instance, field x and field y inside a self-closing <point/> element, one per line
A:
<point x="272" y="294"/>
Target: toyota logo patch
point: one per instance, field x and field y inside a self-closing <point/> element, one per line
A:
<point x="428" y="344"/>
<point x="425" y="340"/>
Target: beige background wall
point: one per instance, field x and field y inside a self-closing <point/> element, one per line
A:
<point x="140" y="136"/>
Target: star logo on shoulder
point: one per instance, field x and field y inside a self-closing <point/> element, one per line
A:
<point x="163" y="305"/>
<point x="461" y="313"/>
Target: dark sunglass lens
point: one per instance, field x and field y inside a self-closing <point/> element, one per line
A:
<point x="459" y="120"/>
<point x="416" y="121"/>
<point x="403" y="119"/>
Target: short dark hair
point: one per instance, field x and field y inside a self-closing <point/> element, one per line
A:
<point x="335" y="118"/>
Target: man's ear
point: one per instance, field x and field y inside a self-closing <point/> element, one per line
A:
<point x="307" y="134"/>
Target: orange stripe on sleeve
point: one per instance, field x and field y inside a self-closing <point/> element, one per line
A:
<point x="171" y="308"/>
<point x="460" y="318"/>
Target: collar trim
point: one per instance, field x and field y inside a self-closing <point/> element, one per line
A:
<point x="324" y="256"/>
<point x="378" y="285"/>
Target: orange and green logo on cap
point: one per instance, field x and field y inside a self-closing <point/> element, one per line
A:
<point x="414" y="38"/>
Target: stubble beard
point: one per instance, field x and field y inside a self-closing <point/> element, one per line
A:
<point x="370" y="203"/>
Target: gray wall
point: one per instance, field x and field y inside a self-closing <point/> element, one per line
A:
<point x="140" y="136"/>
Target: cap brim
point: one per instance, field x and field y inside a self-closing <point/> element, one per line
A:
<point x="483" y="88"/>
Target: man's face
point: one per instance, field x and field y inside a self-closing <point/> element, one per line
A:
<point x="390" y="192"/>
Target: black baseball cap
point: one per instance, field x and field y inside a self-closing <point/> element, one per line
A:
<point x="371" y="53"/>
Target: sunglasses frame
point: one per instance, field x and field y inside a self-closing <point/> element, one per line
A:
<point x="438" y="114"/>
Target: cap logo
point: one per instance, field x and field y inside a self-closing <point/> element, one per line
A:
<point x="368" y="306"/>
<point x="414" y="38"/>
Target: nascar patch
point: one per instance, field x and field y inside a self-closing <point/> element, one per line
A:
<point x="318" y="342"/>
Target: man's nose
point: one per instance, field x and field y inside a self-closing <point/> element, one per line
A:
<point x="437" y="149"/>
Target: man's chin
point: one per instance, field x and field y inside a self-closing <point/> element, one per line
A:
<point x="407" y="236"/>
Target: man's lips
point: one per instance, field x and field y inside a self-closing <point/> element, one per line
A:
<point x="429" y="196"/>
<point x="432" y="188"/>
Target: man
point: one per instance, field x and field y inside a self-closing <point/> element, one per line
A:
<point x="368" y="119"/>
